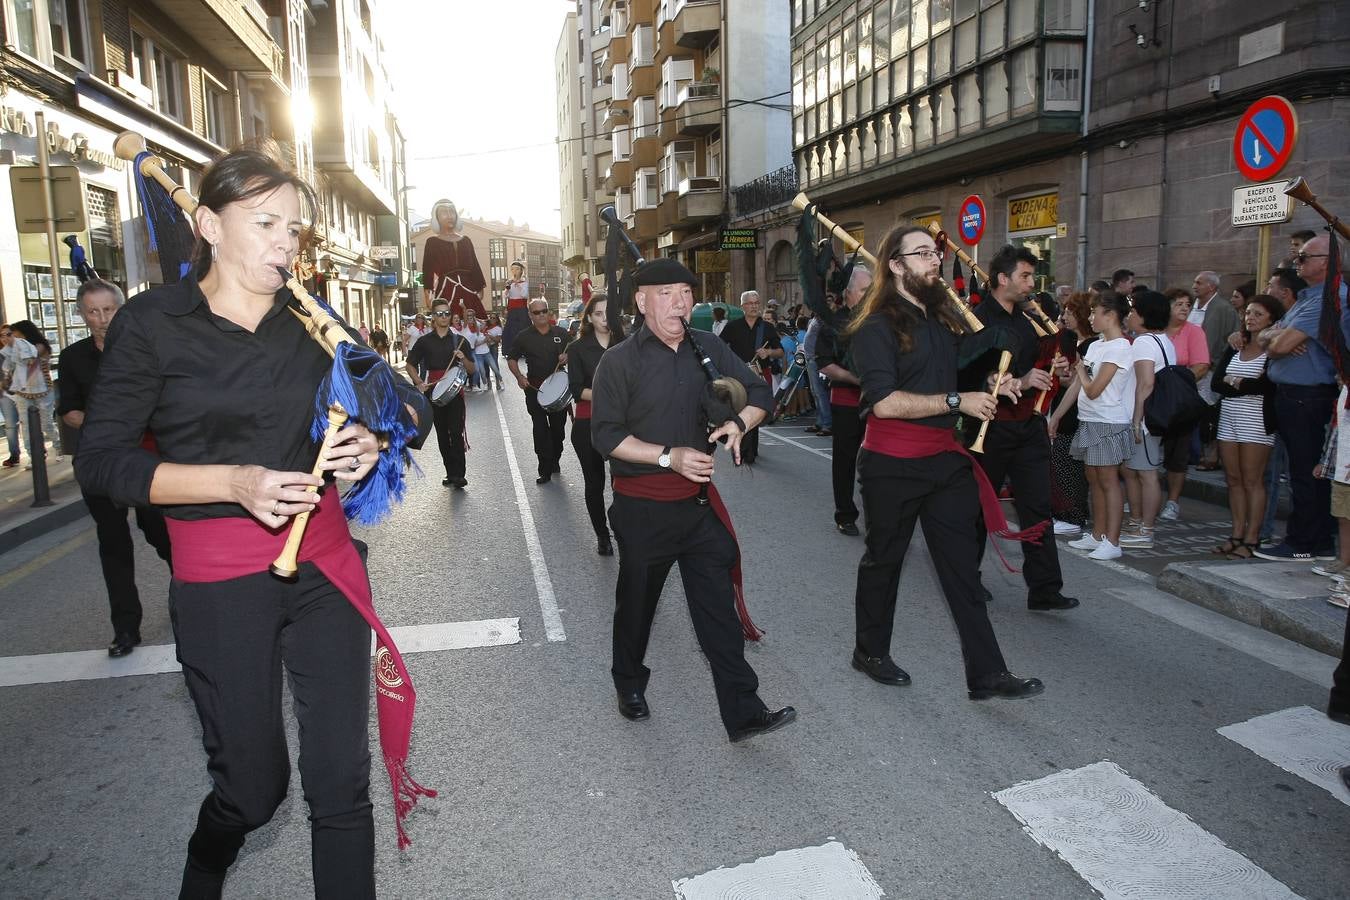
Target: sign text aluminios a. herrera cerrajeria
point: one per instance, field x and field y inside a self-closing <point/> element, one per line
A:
<point x="739" y="239"/>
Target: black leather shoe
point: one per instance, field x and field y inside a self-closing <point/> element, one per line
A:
<point x="1338" y="715"/>
<point x="447" y="481"/>
<point x="1005" y="686"/>
<point x="1344" y="772"/>
<point x="882" y="669"/>
<point x="1058" y="601"/>
<point x="557" y="468"/>
<point x="848" y="528"/>
<point x="633" y="707"/>
<point x="544" y="479"/>
<point x="123" y="644"/>
<point x="764" y="722"/>
<point x="604" y="547"/>
<point x="985" y="595"/>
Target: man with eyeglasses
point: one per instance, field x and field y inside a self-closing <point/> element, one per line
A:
<point x="542" y="346"/>
<point x="428" y="361"/>
<point x="1305" y="392"/>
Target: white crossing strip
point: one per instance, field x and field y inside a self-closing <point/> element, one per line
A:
<point x="801" y="445"/>
<point x="1128" y="844"/>
<point x="159" y="659"/>
<point x="1302" y="741"/>
<point x="828" y="872"/>
<point x="543" y="585"/>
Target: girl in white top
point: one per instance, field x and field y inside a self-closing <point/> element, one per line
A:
<point x="1103" y="391"/>
<point x="1152" y="350"/>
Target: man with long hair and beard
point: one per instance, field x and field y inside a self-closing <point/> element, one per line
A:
<point x="906" y="336"/>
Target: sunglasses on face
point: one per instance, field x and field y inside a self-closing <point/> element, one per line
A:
<point x="538" y="312"/>
<point x="442" y="315"/>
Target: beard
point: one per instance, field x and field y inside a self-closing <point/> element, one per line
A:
<point x="926" y="290"/>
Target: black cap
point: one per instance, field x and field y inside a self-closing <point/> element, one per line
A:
<point x="663" y="271"/>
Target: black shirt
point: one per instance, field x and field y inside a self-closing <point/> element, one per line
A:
<point x="1019" y="334"/>
<point x="79" y="368"/>
<point x="583" y="358"/>
<point x="832" y="347"/>
<point x="744" y="340"/>
<point x="928" y="368"/>
<point x="433" y="353"/>
<point x="540" y="351"/>
<point x="645" y="389"/>
<point x="211" y="391"/>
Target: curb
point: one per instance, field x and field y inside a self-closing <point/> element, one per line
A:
<point x="32" y="523"/>
<point x="1299" y="612"/>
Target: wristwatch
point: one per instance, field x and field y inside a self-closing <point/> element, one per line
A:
<point x="664" y="459"/>
<point x="953" y="401"/>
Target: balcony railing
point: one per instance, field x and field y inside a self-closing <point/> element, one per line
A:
<point x="767" y="191"/>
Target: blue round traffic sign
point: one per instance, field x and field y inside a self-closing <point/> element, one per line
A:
<point x="1265" y="138"/>
<point x="971" y="219"/>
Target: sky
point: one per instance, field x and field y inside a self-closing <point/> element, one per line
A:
<point x="473" y="79"/>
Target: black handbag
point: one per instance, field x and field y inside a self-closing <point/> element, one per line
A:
<point x="1175" y="404"/>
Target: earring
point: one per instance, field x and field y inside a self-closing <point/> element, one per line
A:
<point x="213" y="253"/>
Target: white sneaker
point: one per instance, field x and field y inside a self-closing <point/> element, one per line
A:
<point x="1086" y="542"/>
<point x="1106" y="550"/>
<point x="1339" y="598"/>
<point x="1170" y="511"/>
<point x="1140" y="540"/>
<point x="1066" y="528"/>
<point x="1333" y="569"/>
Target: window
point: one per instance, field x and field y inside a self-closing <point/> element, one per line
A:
<point x="159" y="70"/>
<point x="714" y="167"/>
<point x="25" y="26"/>
<point x="967" y="42"/>
<point x="66" y="18"/>
<point x="904" y="132"/>
<point x="946" y="113"/>
<point x="995" y="93"/>
<point x="1022" y="77"/>
<point x="1021" y="19"/>
<point x="1063" y="76"/>
<point x="54" y="31"/>
<point x="942" y="15"/>
<point x="942" y="56"/>
<point x="918" y="21"/>
<point x="991" y="30"/>
<point x="217" y="115"/>
<point x="899" y="28"/>
<point x="919" y="57"/>
<point x="1066" y="15"/>
<point x="923" y="122"/>
<point x="968" y="103"/>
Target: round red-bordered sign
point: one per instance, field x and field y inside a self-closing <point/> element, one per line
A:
<point x="971" y="219"/>
<point x="1265" y="138"/>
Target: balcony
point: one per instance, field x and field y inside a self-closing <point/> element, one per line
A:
<point x="620" y="172"/>
<point x="601" y="93"/>
<point x="697" y="22"/>
<point x="646" y="148"/>
<point x="698" y="110"/>
<point x="235" y="30"/>
<point x="616" y="115"/>
<point x="700" y="200"/>
<point x="641" y="224"/>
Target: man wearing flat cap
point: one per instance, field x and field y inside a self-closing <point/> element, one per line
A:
<point x="648" y="417"/>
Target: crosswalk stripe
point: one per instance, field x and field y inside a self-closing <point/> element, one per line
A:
<point x="1128" y="844"/>
<point x="828" y="872"/>
<point x="160" y="659"/>
<point x="1302" y="741"/>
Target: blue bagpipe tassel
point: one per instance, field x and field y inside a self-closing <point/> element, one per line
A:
<point x="364" y="385"/>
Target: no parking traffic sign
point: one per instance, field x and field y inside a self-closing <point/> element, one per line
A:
<point x="1265" y="138"/>
<point x="971" y="220"/>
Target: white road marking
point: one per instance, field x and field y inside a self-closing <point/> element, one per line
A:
<point x="160" y="659"/>
<point x="1128" y="844"/>
<point x="548" y="604"/>
<point x="1302" y="741"/>
<point x="828" y="872"/>
<point x="796" y="443"/>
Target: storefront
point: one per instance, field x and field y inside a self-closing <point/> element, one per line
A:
<point x="1033" y="222"/>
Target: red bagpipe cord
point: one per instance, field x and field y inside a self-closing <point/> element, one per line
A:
<point x="908" y="440"/>
<point x="212" y="550"/>
<point x="671" y="486"/>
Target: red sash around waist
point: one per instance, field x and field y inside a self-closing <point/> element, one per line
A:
<point x="845" y="395"/>
<point x="214" y="550"/>
<point x="669" y="486"/>
<point x="518" y="303"/>
<point x="583" y="409"/>
<point x="907" y="440"/>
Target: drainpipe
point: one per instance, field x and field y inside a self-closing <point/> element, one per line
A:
<point x="1080" y="276"/>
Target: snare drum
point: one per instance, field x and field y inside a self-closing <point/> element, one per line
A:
<point x="555" y="394"/>
<point x="450" y="386"/>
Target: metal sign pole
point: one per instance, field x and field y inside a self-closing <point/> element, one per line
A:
<point x="49" y="213"/>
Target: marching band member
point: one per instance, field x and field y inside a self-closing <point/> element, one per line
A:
<point x="583" y="356"/>
<point x="431" y="357"/>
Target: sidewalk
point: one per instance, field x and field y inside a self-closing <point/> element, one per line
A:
<point x="20" y="521"/>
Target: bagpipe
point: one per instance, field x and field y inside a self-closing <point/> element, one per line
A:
<point x="360" y="387"/>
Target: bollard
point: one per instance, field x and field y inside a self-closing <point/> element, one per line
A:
<point x="37" y="452"/>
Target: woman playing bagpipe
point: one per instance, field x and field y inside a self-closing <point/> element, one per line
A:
<point x="583" y="357"/>
<point x="221" y="368"/>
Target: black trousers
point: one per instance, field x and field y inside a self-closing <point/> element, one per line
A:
<point x="940" y="492"/>
<point x="449" y="423"/>
<point x="236" y="640"/>
<point x="1020" y="451"/>
<point x="652" y="536"/>
<point x="117" y="556"/>
<point x="549" y="428"/>
<point x="593" y="470"/>
<point x="1340" y="680"/>
<point x="1302" y="414"/>
<point x="848" y="435"/>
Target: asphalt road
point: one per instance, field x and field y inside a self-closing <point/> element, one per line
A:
<point x="546" y="792"/>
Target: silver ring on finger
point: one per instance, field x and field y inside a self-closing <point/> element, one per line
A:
<point x="276" y="507"/>
<point x="355" y="463"/>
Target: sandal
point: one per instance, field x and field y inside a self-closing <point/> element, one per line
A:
<point x="1243" y="550"/>
<point x="1229" y="546"/>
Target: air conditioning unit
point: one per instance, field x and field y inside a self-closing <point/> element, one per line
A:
<point x="128" y="85"/>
